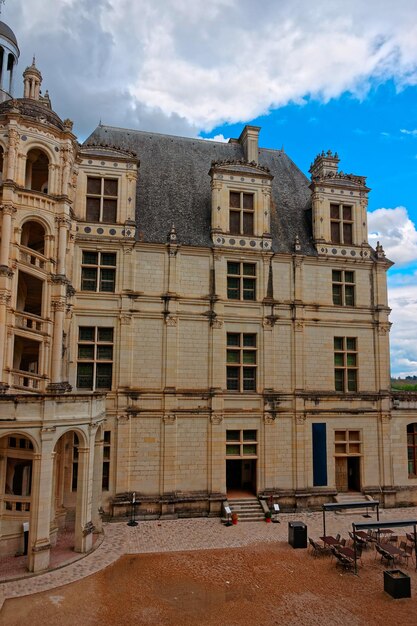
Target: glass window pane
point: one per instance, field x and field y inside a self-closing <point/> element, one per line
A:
<point x="352" y="380"/>
<point x="104" y="353"/>
<point x="347" y="213"/>
<point x="94" y="186"/>
<point x="249" y="379"/>
<point x="233" y="268"/>
<point x="248" y="201"/>
<point x="108" y="258"/>
<point x="249" y="269"/>
<point x="249" y="435"/>
<point x="88" y="279"/>
<point x="105" y="334"/>
<point x="335" y="232"/>
<point x="107" y="280"/>
<point x="233" y="356"/>
<point x="86" y="351"/>
<point x="103" y="375"/>
<point x="233" y="379"/>
<point x="339" y="380"/>
<point x="85" y="375"/>
<point x="233" y="288"/>
<point x="248" y="223"/>
<point x="232" y="450"/>
<point x="351" y="360"/>
<point x="349" y="277"/>
<point x="336" y="276"/>
<point x="354" y="435"/>
<point x="249" y="448"/>
<point x="110" y="187"/>
<point x="235" y="200"/>
<point x="351" y="343"/>
<point x="93" y="210"/>
<point x="334" y="211"/>
<point x="337" y="294"/>
<point x="86" y="333"/>
<point x="248" y="289"/>
<point x="90" y="258"/>
<point x="109" y="210"/>
<point x="347" y="233"/>
<point x="232" y="435"/>
<point x="249" y="356"/>
<point x="349" y="295"/>
<point x="233" y="339"/>
<point x="338" y="343"/>
<point x="249" y="340"/>
<point x="234" y="226"/>
<point x="339" y="359"/>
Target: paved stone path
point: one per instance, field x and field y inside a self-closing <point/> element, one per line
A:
<point x="183" y="535"/>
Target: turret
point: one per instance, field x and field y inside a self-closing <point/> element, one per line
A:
<point x="9" y="54"/>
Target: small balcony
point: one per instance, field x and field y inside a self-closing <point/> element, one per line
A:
<point x="31" y="257"/>
<point x="14" y="504"/>
<point x="30" y="322"/>
<point x="27" y="381"/>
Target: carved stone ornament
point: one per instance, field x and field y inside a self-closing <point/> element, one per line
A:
<point x="386" y="418"/>
<point x="268" y="322"/>
<point x="126" y="319"/>
<point x="300" y="418"/>
<point x="269" y="419"/>
<point x="88" y="529"/>
<point x="58" y="388"/>
<point x="216" y="419"/>
<point x="58" y="305"/>
<point x="6" y="271"/>
<point x="299" y="325"/>
<point x="170" y="320"/>
<point x="5" y="298"/>
<point x="169" y="419"/>
<point x="384" y="328"/>
<point x="216" y="323"/>
<point x="48" y="429"/>
<point x="42" y="546"/>
<point x="123" y="418"/>
<point x="8" y="209"/>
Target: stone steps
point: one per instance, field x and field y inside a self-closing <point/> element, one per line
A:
<point x="247" y="509"/>
<point x="345" y="498"/>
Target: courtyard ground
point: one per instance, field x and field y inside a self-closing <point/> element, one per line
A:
<point x="199" y="572"/>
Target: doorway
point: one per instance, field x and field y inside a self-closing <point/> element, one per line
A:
<point x="348" y="475"/>
<point x="241" y="475"/>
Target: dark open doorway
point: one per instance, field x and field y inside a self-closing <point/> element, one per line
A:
<point x="241" y="475"/>
<point x="354" y="473"/>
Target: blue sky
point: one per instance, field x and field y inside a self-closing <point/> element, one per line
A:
<point x="313" y="75"/>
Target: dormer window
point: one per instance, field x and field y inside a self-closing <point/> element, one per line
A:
<point x="101" y="200"/>
<point x="241" y="214"/>
<point x="341" y="224"/>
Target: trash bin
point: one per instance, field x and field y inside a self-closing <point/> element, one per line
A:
<point x="397" y="583"/>
<point x="297" y="534"/>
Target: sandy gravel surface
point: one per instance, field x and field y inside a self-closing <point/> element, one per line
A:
<point x="259" y="584"/>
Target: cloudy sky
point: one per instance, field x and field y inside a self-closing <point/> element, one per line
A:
<point x="315" y="75"/>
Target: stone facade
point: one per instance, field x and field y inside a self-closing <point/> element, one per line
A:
<point x="181" y="319"/>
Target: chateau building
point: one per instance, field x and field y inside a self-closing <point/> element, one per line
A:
<point x="182" y="318"/>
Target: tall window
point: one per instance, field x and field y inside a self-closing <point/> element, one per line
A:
<point x="241" y="281"/>
<point x="341" y="223"/>
<point x="101" y="199"/>
<point x="95" y="358"/>
<point x="343" y="287"/>
<point x="74" y="479"/>
<point x="241" y="362"/>
<point x="241" y="215"/>
<point x="105" y="482"/>
<point x="412" y="449"/>
<point x="345" y="364"/>
<point x="98" y="271"/>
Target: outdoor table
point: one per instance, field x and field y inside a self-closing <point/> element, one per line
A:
<point x="392" y="550"/>
<point x="330" y="541"/>
<point x="362" y="535"/>
<point x="349" y="552"/>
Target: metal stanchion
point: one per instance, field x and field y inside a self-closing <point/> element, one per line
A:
<point x="132" y="521"/>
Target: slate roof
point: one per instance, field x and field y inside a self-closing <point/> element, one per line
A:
<point x="174" y="188"/>
<point x="7" y="32"/>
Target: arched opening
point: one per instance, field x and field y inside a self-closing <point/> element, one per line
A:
<point x="33" y="236"/>
<point x="16" y="460"/>
<point x="37" y="171"/>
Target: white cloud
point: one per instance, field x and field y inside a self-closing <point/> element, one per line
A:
<point x="184" y="66"/>
<point x="221" y="138"/>
<point x="408" y="132"/>
<point x="397" y="233"/>
<point x="403" y="339"/>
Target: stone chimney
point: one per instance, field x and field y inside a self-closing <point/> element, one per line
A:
<point x="323" y="164"/>
<point x="249" y="141"/>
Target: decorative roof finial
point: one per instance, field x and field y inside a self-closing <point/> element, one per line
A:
<point x="380" y="252"/>
<point x="297" y="245"/>
<point x="172" y="237"/>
